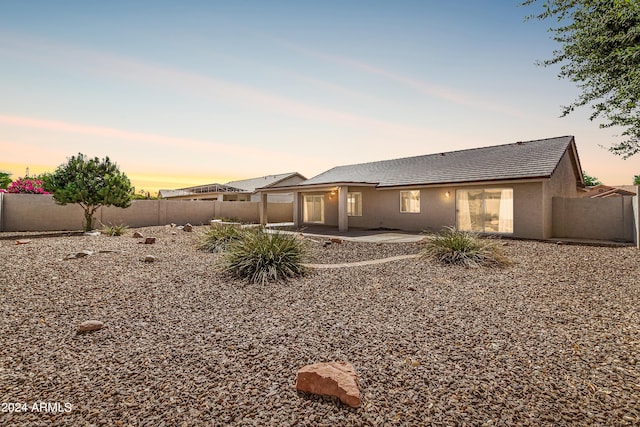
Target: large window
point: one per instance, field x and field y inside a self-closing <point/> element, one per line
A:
<point x="354" y="204"/>
<point x="410" y="201"/>
<point x="485" y="210"/>
<point x="314" y="209"/>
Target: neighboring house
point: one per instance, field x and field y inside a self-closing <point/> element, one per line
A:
<point x="237" y="191"/>
<point x="603" y="191"/>
<point x="503" y="189"/>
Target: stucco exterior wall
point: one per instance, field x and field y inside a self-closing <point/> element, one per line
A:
<point x="381" y="209"/>
<point x="563" y="183"/>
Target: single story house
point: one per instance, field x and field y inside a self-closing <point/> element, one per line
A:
<point x="237" y="191"/>
<point x="502" y="189"/>
<point x="602" y="191"/>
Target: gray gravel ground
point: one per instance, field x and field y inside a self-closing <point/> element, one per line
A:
<point x="552" y="340"/>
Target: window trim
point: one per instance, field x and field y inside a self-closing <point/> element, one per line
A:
<point x="357" y="204"/>
<point x="410" y="204"/>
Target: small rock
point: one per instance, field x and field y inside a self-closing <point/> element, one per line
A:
<point x="411" y="288"/>
<point x="330" y="379"/>
<point x="81" y="254"/>
<point x="561" y="243"/>
<point x="90" y="325"/>
<point x="23" y="241"/>
<point x="336" y="240"/>
<point x="137" y="235"/>
<point x="187" y="227"/>
<point x="180" y="227"/>
<point x="326" y="243"/>
<point x="149" y="258"/>
<point x="149" y="240"/>
<point x="92" y="233"/>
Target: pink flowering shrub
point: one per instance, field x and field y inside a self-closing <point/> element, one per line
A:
<point x="26" y="186"/>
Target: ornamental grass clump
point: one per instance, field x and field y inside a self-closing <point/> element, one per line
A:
<point x="452" y="246"/>
<point x="114" y="229"/>
<point x="260" y="256"/>
<point x="218" y="238"/>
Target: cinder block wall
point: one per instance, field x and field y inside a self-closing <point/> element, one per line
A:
<point x="597" y="219"/>
<point x="37" y="212"/>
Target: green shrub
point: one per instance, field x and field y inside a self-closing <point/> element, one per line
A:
<point x="260" y="256"/>
<point x="218" y="237"/>
<point x="114" y="229"/>
<point x="452" y="246"/>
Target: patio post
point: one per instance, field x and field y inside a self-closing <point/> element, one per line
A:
<point x="343" y="218"/>
<point x="296" y="209"/>
<point x="262" y="206"/>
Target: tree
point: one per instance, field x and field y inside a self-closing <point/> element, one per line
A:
<point x="636" y="180"/>
<point x="600" y="51"/>
<point x="90" y="183"/>
<point x="5" y="180"/>
<point x="590" y="181"/>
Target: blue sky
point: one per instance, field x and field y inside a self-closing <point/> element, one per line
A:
<point x="195" y="92"/>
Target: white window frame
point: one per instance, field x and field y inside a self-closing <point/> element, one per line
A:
<point x="354" y="203"/>
<point x="413" y="201"/>
<point x="308" y="198"/>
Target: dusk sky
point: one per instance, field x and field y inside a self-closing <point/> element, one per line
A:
<point x="198" y="92"/>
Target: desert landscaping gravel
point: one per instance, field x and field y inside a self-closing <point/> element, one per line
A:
<point x="552" y="340"/>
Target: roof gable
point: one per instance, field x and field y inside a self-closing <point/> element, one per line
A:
<point x="521" y="160"/>
<point x="251" y="184"/>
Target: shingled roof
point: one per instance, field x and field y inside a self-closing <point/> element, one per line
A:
<point x="521" y="160"/>
<point x="251" y="184"/>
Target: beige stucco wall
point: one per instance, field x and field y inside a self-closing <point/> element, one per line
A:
<point x="34" y="212"/>
<point x="610" y="218"/>
<point x="563" y="183"/>
<point x="381" y="209"/>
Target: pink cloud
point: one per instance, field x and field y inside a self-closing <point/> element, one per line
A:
<point x="124" y="135"/>
<point x="437" y="91"/>
<point x="193" y="84"/>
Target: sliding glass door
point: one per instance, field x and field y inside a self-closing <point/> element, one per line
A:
<point x="485" y="210"/>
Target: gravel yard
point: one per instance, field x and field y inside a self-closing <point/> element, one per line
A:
<point x="552" y="340"/>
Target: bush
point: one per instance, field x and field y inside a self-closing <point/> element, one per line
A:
<point x="260" y="257"/>
<point x="114" y="230"/>
<point x="218" y="238"/>
<point x="452" y="246"/>
<point x="27" y="186"/>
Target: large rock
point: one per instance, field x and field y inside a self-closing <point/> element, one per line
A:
<point x="330" y="379"/>
<point x="187" y="227"/>
<point x="89" y="326"/>
<point x="137" y="235"/>
<point x="149" y="240"/>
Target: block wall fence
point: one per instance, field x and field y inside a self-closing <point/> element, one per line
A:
<point x="38" y="212"/>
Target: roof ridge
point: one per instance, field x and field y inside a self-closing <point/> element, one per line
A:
<point x="442" y="153"/>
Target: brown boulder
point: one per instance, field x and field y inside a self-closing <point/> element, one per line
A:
<point x="137" y="235"/>
<point x="90" y="325"/>
<point x="330" y="379"/>
<point x="149" y="240"/>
